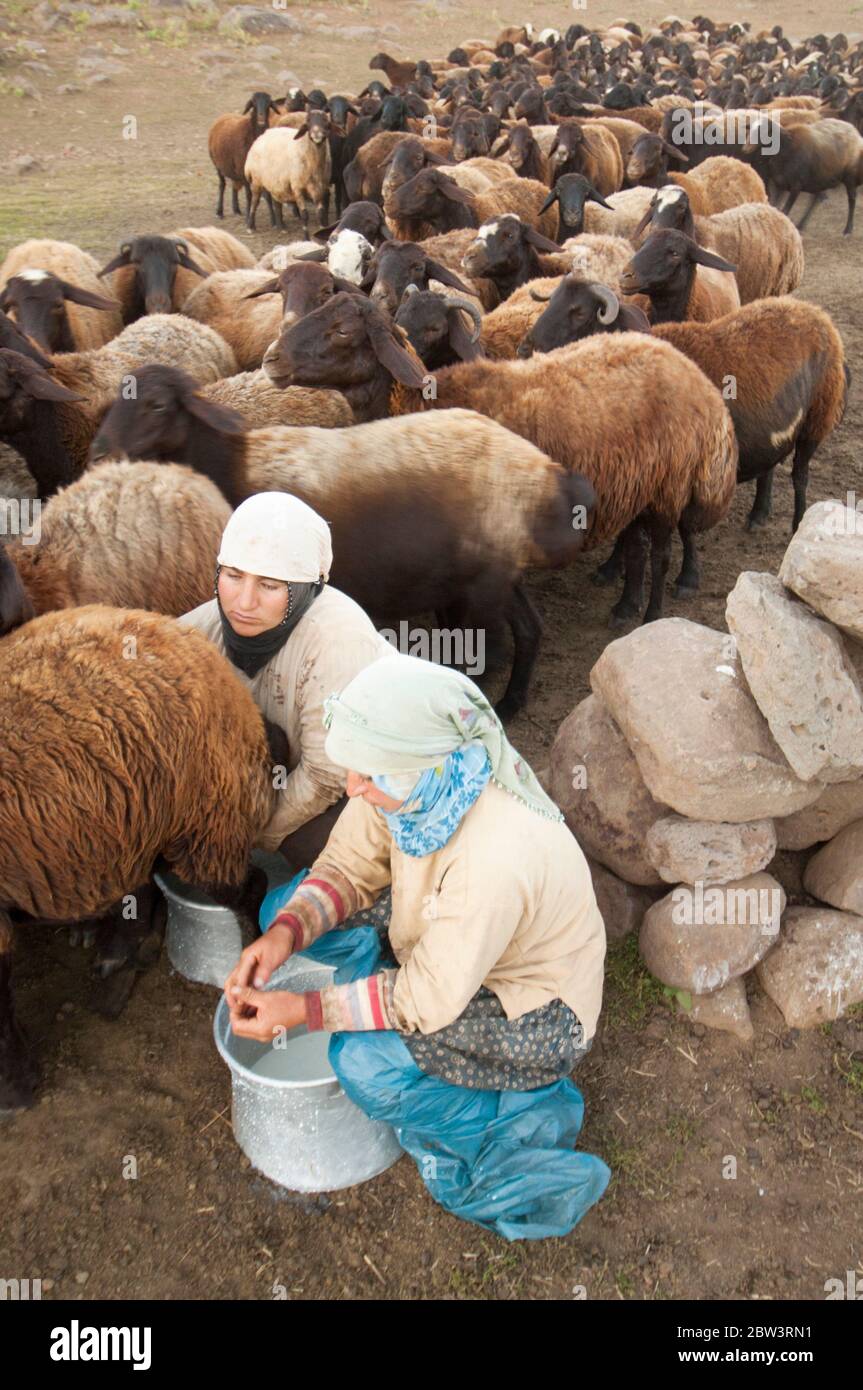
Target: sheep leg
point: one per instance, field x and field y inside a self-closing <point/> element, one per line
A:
<point x="803" y="452"/>
<point x="628" y="605"/>
<point x="816" y="198"/>
<point x="688" y="581"/>
<point x="235" y="202"/>
<point x="660" y="555"/>
<point x="248" y="187"/>
<point x="17" y="1071"/>
<point x="851" y="190"/>
<point x="276" y="207"/>
<point x="760" y="513"/>
<point x="220" y="201"/>
<point x="526" y="626"/>
<point x="302" y="848"/>
<point x="253" y="207"/>
<point x="128" y="946"/>
<point x="612" y="568"/>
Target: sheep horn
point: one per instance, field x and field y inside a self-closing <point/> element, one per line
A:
<point x="455" y="302"/>
<point x="540" y="298"/>
<point x="609" y="301"/>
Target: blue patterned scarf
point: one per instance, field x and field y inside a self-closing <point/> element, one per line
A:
<point x="438" y="800"/>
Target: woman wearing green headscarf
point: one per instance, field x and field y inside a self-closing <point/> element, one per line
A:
<point x="497" y="943"/>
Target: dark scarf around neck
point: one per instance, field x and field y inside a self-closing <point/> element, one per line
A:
<point x="250" y="654"/>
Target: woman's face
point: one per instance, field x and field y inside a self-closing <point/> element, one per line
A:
<point x="365" y="787"/>
<point x="251" y="603"/>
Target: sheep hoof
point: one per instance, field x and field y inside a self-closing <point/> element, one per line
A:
<point x="756" y="520"/>
<point x="507" y="709"/>
<point x="684" y="591"/>
<point x="110" y="997"/>
<point x="622" y="616"/>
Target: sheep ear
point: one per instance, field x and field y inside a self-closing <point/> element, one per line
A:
<point x="674" y="151"/>
<point x="186" y="260"/>
<point x="15" y="606"/>
<point x="269" y="287"/>
<point x="344" y="286"/>
<point x="594" y="197"/>
<point x="436" y="271"/>
<point x="303" y="130"/>
<point x="218" y="417"/>
<point x="124" y="257"/>
<point x="390" y="353"/>
<point x="648" y="217"/>
<point x="324" y="232"/>
<point x="87" y="297"/>
<point x="454" y="192"/>
<point x="5" y="300"/>
<point x="500" y="146"/>
<point x="702" y="256"/>
<point x="384" y="233"/>
<point x="317" y="256"/>
<point x="371" y="274"/>
<point x="248" y="106"/>
<point x="553" y="197"/>
<point x="34" y="380"/>
<point x="271" y="106"/>
<point x="541" y="242"/>
<point x="437" y="159"/>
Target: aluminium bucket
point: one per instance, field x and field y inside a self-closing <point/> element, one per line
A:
<point x="295" y="1123"/>
<point x="203" y="939"/>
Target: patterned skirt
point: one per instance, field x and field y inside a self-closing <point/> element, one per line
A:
<point x="483" y="1049"/>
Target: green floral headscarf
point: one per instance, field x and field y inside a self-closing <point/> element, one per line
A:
<point x="401" y="714"/>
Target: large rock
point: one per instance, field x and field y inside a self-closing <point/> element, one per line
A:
<point x="727" y="1010"/>
<point x="699" y="938"/>
<point x="836" y="807"/>
<point x="677" y="691"/>
<point x="815" y="972"/>
<point x="621" y="905"/>
<point x="257" y="21"/>
<point x="686" y="851"/>
<point x="801" y="677"/>
<point x="835" y="873"/>
<point x="823" y="565"/>
<point x="595" y="781"/>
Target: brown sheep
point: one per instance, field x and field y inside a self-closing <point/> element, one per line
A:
<point x="457" y="484"/>
<point x="647" y="428"/>
<point x="97" y="544"/>
<point x="449" y="248"/>
<point x="249" y="325"/>
<point x="50" y="407"/>
<point x="590" y="151"/>
<point x="762" y="242"/>
<point x="229" y="141"/>
<point x="720" y="183"/>
<point x="398" y="74"/>
<point x="52" y="289"/>
<point x="374" y="159"/>
<point x="259" y="404"/>
<point x="93" y="698"/>
<point x="682" y="280"/>
<point x="433" y="195"/>
<point x="156" y="274"/>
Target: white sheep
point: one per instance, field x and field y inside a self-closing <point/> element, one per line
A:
<point x="292" y="166"/>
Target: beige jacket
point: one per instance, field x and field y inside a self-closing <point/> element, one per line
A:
<point x="331" y="643"/>
<point x="508" y="902"/>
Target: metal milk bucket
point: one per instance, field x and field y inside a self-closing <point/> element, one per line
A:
<point x="303" y="1133"/>
<point x="203" y="939"/>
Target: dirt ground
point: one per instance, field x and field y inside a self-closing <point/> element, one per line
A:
<point x="666" y="1101"/>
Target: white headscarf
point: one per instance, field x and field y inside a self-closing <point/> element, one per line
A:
<point x="278" y="536"/>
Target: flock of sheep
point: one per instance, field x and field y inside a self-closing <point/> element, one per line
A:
<point x="553" y="312"/>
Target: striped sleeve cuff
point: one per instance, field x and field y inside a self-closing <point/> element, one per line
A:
<point x="359" y="1007"/>
<point x="319" y="904"/>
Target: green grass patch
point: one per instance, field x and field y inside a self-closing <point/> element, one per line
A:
<point x="630" y="992"/>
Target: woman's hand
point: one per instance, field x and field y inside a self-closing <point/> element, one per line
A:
<point x="262" y="1014"/>
<point x="259" y="960"/>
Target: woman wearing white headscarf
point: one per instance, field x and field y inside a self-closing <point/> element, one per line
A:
<point x="497" y="940"/>
<point x="294" y="639"/>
